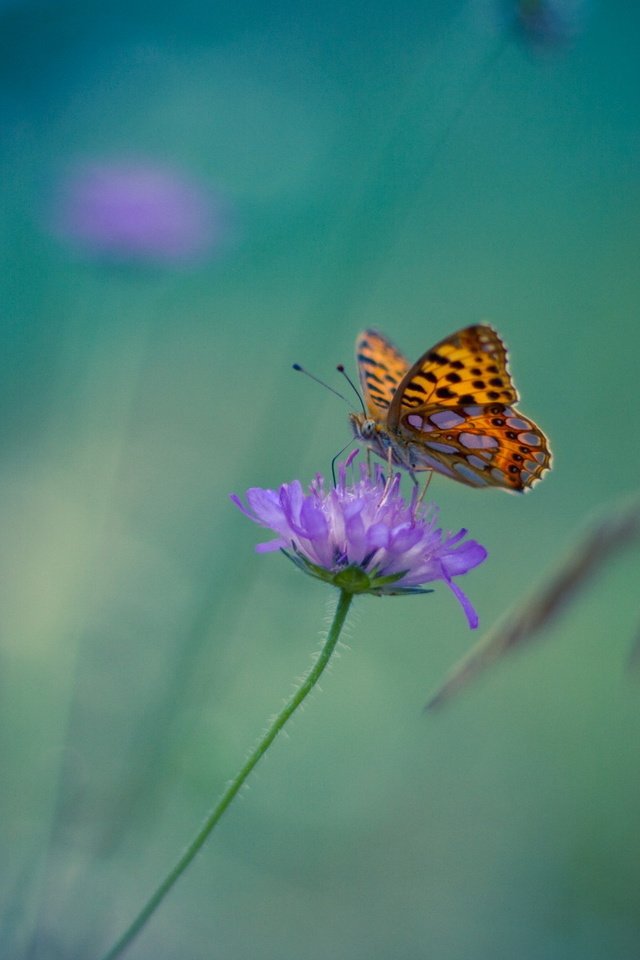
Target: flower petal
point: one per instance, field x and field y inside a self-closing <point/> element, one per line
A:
<point x="265" y="505"/>
<point x="312" y="520"/>
<point x="465" y="603"/>
<point x="465" y="557"/>
<point x="270" y="546"/>
<point x="378" y="536"/>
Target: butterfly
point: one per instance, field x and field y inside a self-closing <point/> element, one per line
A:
<point x="452" y="412"/>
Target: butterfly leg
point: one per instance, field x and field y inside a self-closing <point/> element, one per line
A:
<point x="389" y="463"/>
<point x="389" y="482"/>
<point x="426" y="486"/>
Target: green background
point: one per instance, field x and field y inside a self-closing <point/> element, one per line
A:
<point x="414" y="167"/>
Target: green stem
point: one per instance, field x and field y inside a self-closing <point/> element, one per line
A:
<point x="301" y="693"/>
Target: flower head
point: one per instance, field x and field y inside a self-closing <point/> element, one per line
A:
<point x="137" y="212"/>
<point x="363" y="537"/>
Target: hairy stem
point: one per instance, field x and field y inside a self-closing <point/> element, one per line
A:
<point x="232" y="790"/>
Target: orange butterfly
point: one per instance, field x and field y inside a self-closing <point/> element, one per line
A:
<point x="451" y="412"/>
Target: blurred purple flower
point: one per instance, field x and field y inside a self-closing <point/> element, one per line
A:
<point x="127" y="211"/>
<point x="363" y="537"/>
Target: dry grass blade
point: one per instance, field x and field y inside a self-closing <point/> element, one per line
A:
<point x="518" y="626"/>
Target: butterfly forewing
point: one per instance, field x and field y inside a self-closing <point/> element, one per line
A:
<point x="469" y="367"/>
<point x="381" y="368"/>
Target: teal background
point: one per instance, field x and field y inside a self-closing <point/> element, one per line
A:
<point x="413" y="167"/>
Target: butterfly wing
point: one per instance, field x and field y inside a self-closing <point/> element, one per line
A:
<point x="454" y="406"/>
<point x="488" y="445"/>
<point x="381" y="368"/>
<point x="469" y="367"/>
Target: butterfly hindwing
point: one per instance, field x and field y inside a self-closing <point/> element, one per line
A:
<point x="478" y="444"/>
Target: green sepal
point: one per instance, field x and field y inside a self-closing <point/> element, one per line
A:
<point x="353" y="579"/>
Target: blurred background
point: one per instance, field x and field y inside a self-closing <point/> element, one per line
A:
<point x="191" y="200"/>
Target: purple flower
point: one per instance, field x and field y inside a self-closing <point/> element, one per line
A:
<point x="363" y="537"/>
<point x="137" y="211"/>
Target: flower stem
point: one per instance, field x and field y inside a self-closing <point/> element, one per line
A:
<point x="307" y="685"/>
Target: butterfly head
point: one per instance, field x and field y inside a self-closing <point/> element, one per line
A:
<point x="364" y="428"/>
<point x="376" y="438"/>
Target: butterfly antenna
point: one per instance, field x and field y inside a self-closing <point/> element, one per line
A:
<point x="296" y="366"/>
<point x="340" y="368"/>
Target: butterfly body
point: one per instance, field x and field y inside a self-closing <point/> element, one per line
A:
<point x="393" y="449"/>
<point x="452" y="412"/>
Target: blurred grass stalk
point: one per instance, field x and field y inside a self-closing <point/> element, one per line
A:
<point x="618" y="528"/>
